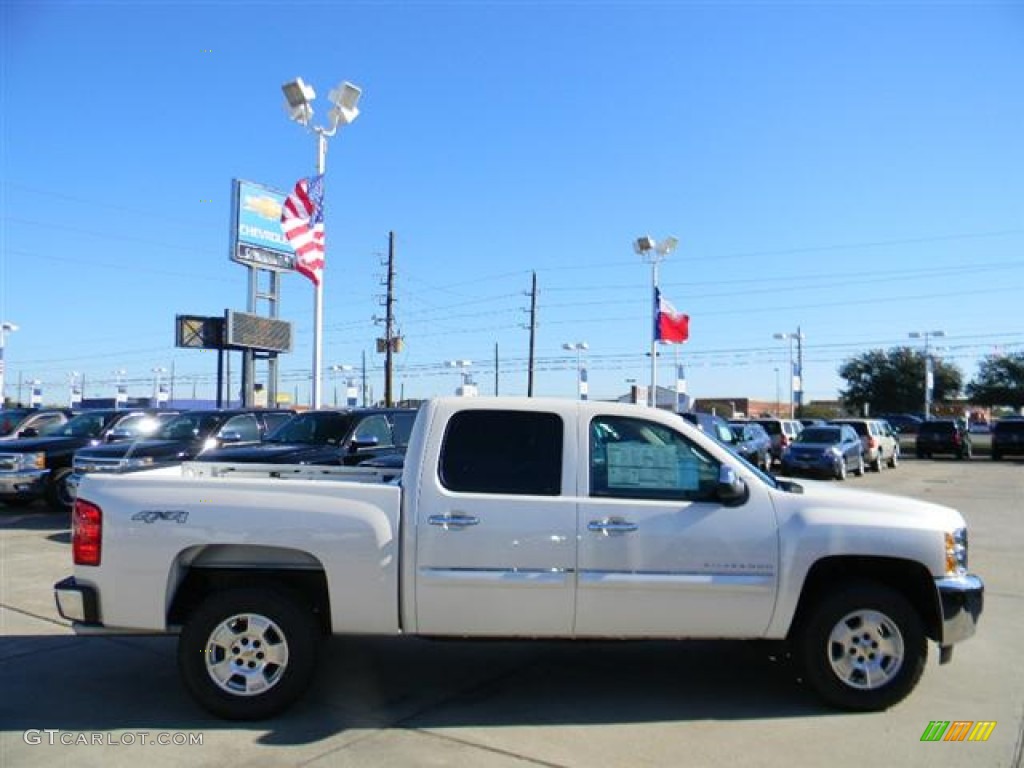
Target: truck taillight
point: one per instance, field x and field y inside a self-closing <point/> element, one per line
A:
<point x="86" y="533"/>
<point x="872" y="443"/>
<point x="784" y="441"/>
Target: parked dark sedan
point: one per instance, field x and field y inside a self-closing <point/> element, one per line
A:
<point x="832" y="451"/>
<point x="942" y="436"/>
<point x="753" y="443"/>
<point x="344" y="437"/>
<point x="1007" y="438"/>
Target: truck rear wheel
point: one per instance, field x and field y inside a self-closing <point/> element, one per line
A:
<point x="863" y="648"/>
<point x="248" y="653"/>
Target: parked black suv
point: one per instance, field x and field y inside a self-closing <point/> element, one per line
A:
<point x="1007" y="438"/>
<point x="943" y="436"/>
<point x="344" y="437"/>
<point x="35" y="467"/>
<point x="180" y="439"/>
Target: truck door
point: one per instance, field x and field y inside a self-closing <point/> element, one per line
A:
<point x="496" y="526"/>
<point x="659" y="554"/>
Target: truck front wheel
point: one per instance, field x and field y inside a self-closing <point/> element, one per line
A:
<point x="248" y="653"/>
<point x="862" y="648"/>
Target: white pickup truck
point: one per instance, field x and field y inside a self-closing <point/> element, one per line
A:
<point x="530" y="518"/>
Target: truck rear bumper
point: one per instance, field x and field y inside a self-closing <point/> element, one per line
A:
<point x="962" y="599"/>
<point x="76" y="602"/>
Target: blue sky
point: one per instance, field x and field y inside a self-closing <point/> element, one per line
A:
<point x="854" y="169"/>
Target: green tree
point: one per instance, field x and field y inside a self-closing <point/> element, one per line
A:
<point x="1000" y="381"/>
<point x="893" y="381"/>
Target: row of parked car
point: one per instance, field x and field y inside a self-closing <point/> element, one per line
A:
<point x="44" y="452"/>
<point x="838" y="447"/>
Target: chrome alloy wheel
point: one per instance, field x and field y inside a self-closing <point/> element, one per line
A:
<point x="865" y="649"/>
<point x="246" y="655"/>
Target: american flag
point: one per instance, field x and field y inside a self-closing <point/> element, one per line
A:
<point x="302" y="219"/>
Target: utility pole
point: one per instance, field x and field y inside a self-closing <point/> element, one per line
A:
<point x="495" y="369"/>
<point x="389" y="320"/>
<point x="800" y="371"/>
<point x="533" y="334"/>
<point x="364" y="378"/>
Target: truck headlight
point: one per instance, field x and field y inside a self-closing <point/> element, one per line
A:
<point x="33" y="460"/>
<point x="137" y="462"/>
<point x="956" y="552"/>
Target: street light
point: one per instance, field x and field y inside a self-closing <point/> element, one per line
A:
<point x="121" y="393"/>
<point x="75" y="397"/>
<point x="468" y="388"/>
<point x="929" y="376"/>
<point x="654" y="252"/>
<point x="298" y="101"/>
<point x="579" y="347"/>
<point x="157" y="390"/>
<point x="5" y="328"/>
<point x="795" y="372"/>
<point x="350" y="387"/>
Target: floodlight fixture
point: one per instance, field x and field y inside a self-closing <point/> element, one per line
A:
<point x="344" y="98"/>
<point x="666" y="246"/>
<point x="644" y="244"/>
<point x="298" y="97"/>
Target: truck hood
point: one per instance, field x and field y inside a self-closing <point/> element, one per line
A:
<point x="158" y="449"/>
<point x="276" y="453"/>
<point x="32" y="444"/>
<point x="828" y="502"/>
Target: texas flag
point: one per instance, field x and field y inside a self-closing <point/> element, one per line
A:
<point x="670" y="327"/>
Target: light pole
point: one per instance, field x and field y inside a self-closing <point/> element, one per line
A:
<point x="158" y="393"/>
<point x="468" y="388"/>
<point x="350" y="385"/>
<point x="581" y="375"/>
<point x="654" y="252"/>
<point x="5" y="328"/>
<point x="795" y="371"/>
<point x="778" y="392"/>
<point x="75" y="396"/>
<point x="299" y="97"/>
<point x="121" y="392"/>
<point x="929" y="376"/>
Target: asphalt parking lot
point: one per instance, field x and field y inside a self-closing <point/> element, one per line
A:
<point x="409" y="702"/>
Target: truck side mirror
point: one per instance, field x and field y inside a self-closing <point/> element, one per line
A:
<point x="363" y="443"/>
<point x="731" y="488"/>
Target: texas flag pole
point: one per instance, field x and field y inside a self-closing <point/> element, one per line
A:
<point x="655" y="252"/>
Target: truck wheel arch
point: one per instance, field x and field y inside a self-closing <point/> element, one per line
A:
<point x="197" y="574"/>
<point x="907" y="577"/>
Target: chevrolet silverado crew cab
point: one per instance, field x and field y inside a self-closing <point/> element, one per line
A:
<point x="529" y="518"/>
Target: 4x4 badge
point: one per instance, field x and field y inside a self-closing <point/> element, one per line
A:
<point x="152" y="515"/>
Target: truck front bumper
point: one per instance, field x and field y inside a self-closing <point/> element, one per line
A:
<point x="77" y="602"/>
<point x="23" y="484"/>
<point x="962" y="599"/>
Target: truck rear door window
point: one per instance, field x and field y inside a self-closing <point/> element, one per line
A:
<point x="513" y="452"/>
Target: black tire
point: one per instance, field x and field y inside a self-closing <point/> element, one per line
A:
<point x="58" y="494"/>
<point x="863" y="629"/>
<point x="859" y="469"/>
<point x="996" y="456"/>
<point x="879" y="463"/>
<point x="894" y="460"/>
<point x="251" y="618"/>
<point x="841" y="469"/>
<point x="919" y="454"/>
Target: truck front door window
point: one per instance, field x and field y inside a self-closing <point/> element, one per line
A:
<point x="634" y="458"/>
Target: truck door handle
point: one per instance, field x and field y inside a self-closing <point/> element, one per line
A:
<point x="456" y="520"/>
<point x="608" y="526"/>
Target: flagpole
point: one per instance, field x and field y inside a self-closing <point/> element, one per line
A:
<point x="653" y="397"/>
<point x="318" y="292"/>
